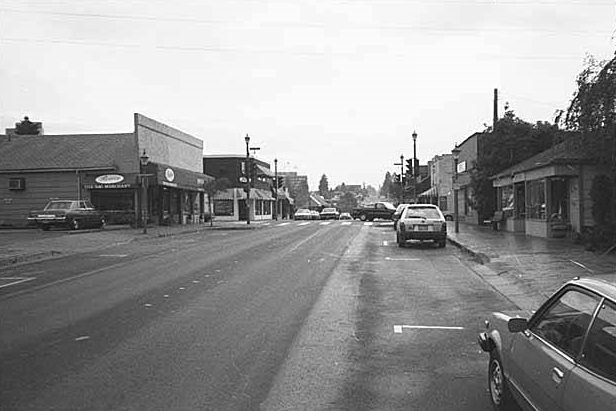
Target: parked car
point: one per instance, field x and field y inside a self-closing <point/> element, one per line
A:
<point x="345" y="216"/>
<point x="303" y="214"/>
<point x="383" y="210"/>
<point x="562" y="357"/>
<point x="315" y="215"/>
<point x="421" y="222"/>
<point x="73" y="214"/>
<point x="396" y="215"/>
<point x="329" y="213"/>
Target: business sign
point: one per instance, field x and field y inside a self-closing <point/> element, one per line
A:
<point x="109" y="179"/>
<point x="169" y="175"/>
<point x="461" y="167"/>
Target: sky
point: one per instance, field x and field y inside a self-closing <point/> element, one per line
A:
<point x="332" y="87"/>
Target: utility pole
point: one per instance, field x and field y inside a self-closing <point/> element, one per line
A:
<point x="495" y="114"/>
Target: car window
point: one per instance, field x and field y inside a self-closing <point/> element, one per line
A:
<point x="565" y="322"/>
<point x="599" y="354"/>
<point x="421" y="212"/>
<point x="59" y="205"/>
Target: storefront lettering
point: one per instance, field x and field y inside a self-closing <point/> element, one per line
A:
<point x="106" y="186"/>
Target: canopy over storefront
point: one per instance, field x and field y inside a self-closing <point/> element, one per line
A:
<point x="176" y="177"/>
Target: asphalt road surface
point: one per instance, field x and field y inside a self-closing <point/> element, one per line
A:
<point x="297" y="315"/>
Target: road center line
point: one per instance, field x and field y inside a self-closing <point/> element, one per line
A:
<point x="402" y="259"/>
<point x="398" y="328"/>
<point x="581" y="265"/>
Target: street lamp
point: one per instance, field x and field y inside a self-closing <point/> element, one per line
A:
<point x="456" y="153"/>
<point x="414" y="177"/>
<point x="248" y="171"/>
<point x="143" y="161"/>
<point x="401" y="164"/>
<point x="276" y="189"/>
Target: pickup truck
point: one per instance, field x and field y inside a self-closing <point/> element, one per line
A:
<point x="369" y="212"/>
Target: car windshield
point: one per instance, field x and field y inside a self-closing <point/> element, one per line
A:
<point x="303" y="211"/>
<point x="59" y="205"/>
<point x="421" y="212"/>
<point x="329" y="210"/>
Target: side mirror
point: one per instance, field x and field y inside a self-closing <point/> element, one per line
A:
<point x="517" y="324"/>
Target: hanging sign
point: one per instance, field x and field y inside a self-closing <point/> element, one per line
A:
<point x="109" y="179"/>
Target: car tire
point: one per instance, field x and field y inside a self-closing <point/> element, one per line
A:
<point x="497" y="385"/>
<point x="363" y="217"/>
<point x="45" y="227"/>
<point x="74" y="224"/>
<point x="399" y="240"/>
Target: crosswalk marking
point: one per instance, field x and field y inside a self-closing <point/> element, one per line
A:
<point x="326" y="223"/>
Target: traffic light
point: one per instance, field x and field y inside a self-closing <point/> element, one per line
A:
<point x="409" y="167"/>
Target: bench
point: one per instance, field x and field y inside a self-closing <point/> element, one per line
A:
<point x="498" y="217"/>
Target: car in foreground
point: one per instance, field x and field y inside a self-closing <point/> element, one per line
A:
<point x="303" y="214"/>
<point x="345" y="216"/>
<point x="329" y="213"/>
<point x="561" y="357"/>
<point x="396" y="215"/>
<point x="73" y="214"/>
<point x="421" y="222"/>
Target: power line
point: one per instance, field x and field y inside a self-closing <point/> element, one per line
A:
<point x="310" y="25"/>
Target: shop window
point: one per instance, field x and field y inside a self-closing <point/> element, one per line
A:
<point x="536" y="200"/>
<point x="268" y="207"/>
<point x="559" y="199"/>
<point x="223" y="207"/>
<point x="17" y="184"/>
<point x="506" y="201"/>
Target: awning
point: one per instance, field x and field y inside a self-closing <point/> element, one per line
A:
<point x="176" y="177"/>
<point x="261" y="194"/>
<point x="240" y="194"/>
<point x="431" y="192"/>
<point x="265" y="171"/>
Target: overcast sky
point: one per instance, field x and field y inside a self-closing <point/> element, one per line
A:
<point x="332" y="87"/>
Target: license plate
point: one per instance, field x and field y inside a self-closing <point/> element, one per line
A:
<point x="424" y="228"/>
<point x="46" y="216"/>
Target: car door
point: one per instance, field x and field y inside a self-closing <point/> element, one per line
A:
<point x="542" y="357"/>
<point x="592" y="384"/>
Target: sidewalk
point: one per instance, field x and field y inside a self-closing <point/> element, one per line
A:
<point x="529" y="269"/>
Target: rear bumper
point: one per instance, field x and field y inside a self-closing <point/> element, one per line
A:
<point x="424" y="235"/>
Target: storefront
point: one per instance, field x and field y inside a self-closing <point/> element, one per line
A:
<point x="115" y="194"/>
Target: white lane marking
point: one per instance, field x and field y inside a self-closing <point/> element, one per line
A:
<point x="402" y="259"/>
<point x="83" y="338"/>
<point x="15" y="280"/>
<point x="581" y="265"/>
<point x="346" y="223"/>
<point x="114" y="255"/>
<point x="326" y="223"/>
<point x="398" y="328"/>
<point x="283" y="224"/>
<point x="305" y="240"/>
<point x="304" y="223"/>
<point x="368" y="223"/>
<point x="266" y="223"/>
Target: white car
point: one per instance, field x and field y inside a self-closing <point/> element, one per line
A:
<point x="303" y="214"/>
<point x="422" y="222"/>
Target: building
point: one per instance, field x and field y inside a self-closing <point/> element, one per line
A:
<point x="548" y="195"/>
<point x="265" y="199"/>
<point x="467" y="161"/>
<point x="298" y="188"/>
<point x="441" y="189"/>
<point x="106" y="169"/>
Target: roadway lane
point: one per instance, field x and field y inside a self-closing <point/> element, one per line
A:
<point x="200" y="321"/>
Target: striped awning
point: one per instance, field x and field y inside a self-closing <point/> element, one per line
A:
<point x="431" y="192"/>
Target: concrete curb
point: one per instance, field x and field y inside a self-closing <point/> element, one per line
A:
<point x="481" y="258"/>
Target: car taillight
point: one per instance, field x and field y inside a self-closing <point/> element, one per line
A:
<point x="444" y="227"/>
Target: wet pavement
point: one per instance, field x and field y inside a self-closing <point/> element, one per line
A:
<point x="525" y="269"/>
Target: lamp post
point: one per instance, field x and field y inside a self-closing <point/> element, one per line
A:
<point x="248" y="172"/>
<point x="143" y="161"/>
<point x="276" y="189"/>
<point x="414" y="177"/>
<point x="456" y="153"/>
<point x="401" y="164"/>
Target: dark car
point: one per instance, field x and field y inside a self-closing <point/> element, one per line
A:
<point x="562" y="357"/>
<point x="73" y="214"/>
<point x="422" y="222"/>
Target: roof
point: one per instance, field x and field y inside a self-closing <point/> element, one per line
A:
<point x="562" y="153"/>
<point x="71" y="151"/>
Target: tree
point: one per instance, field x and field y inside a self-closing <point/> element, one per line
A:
<point x="386" y="187"/>
<point x="592" y="113"/>
<point x="212" y="188"/>
<point x="512" y="141"/>
<point x="324" y="187"/>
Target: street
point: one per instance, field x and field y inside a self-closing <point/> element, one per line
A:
<point x="296" y="315"/>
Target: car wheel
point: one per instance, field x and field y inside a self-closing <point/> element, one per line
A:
<point x="399" y="240"/>
<point x="45" y="227"/>
<point x="499" y="392"/>
<point x="74" y="224"/>
<point x="363" y="217"/>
